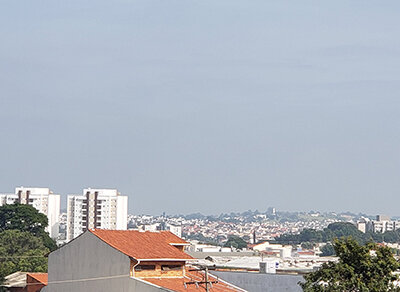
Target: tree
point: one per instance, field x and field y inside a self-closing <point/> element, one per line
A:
<point x="360" y="268"/>
<point x="23" y="218"/>
<point x="327" y="250"/>
<point x="21" y="251"/>
<point x="344" y="229"/>
<point x="307" y="245"/>
<point x="334" y="230"/>
<point x="27" y="219"/>
<point x="236" y="242"/>
<point x="310" y="235"/>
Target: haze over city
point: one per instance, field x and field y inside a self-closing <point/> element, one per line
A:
<point x="204" y="106"/>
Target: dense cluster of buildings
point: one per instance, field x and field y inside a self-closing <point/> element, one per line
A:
<point x="95" y="208"/>
<point x="151" y="261"/>
<point x="260" y="228"/>
<point x="114" y="251"/>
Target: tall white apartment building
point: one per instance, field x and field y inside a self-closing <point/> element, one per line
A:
<point x="96" y="208"/>
<point x="42" y="199"/>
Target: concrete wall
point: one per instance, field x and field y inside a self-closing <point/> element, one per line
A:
<point x="78" y="266"/>
<point x="255" y="282"/>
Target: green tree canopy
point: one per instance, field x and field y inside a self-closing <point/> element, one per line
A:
<point x="334" y="230"/>
<point x="307" y="245"/>
<point x="27" y="219"/>
<point x="360" y="268"/>
<point x="344" y="229"/>
<point x="327" y="250"/>
<point x="23" y="218"/>
<point x="21" y="251"/>
<point x="236" y="242"/>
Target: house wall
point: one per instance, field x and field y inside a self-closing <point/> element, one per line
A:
<point x="180" y="247"/>
<point x="33" y="285"/>
<point x="17" y="289"/>
<point x="158" y="271"/>
<point x="89" y="264"/>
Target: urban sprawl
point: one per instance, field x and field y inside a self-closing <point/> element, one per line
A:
<point x="269" y="241"/>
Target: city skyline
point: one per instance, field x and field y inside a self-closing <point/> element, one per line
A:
<point x="204" y="106"/>
<point x="12" y="197"/>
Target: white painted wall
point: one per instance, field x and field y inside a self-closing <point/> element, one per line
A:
<point x="122" y="213"/>
<point x="53" y="215"/>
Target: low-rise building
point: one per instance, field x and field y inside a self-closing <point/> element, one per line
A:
<point x="285" y="251"/>
<point x="158" y="226"/>
<point x="126" y="261"/>
<point x="25" y="282"/>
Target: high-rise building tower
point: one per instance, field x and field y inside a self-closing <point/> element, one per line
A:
<point x="41" y="199"/>
<point x="96" y="208"/>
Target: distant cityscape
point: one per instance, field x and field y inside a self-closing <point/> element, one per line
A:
<point x="108" y="209"/>
<point x="267" y="242"/>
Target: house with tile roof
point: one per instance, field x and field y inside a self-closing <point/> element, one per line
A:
<point x="127" y="261"/>
<point x="25" y="282"/>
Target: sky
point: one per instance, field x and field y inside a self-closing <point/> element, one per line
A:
<point x="204" y="106"/>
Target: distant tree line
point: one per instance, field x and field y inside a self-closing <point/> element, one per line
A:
<point x="235" y="242"/>
<point x="338" y="230"/>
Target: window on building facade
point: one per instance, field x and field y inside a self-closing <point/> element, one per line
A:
<point x="171" y="267"/>
<point x="145" y="267"/>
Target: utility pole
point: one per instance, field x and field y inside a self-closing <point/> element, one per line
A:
<point x="206" y="278"/>
<point x="206" y="282"/>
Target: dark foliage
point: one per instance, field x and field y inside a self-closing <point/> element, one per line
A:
<point x="27" y="219"/>
<point x="236" y="242"/>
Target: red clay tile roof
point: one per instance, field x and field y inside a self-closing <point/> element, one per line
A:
<point x="178" y="284"/>
<point x="143" y="245"/>
<point x="40" y="277"/>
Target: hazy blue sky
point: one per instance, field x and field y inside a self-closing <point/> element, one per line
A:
<point x="210" y="106"/>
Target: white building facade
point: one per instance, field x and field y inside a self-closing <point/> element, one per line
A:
<point x="96" y="208"/>
<point x="154" y="227"/>
<point x="8" y="199"/>
<point x="380" y="225"/>
<point x="175" y="229"/>
<point x="41" y="199"/>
